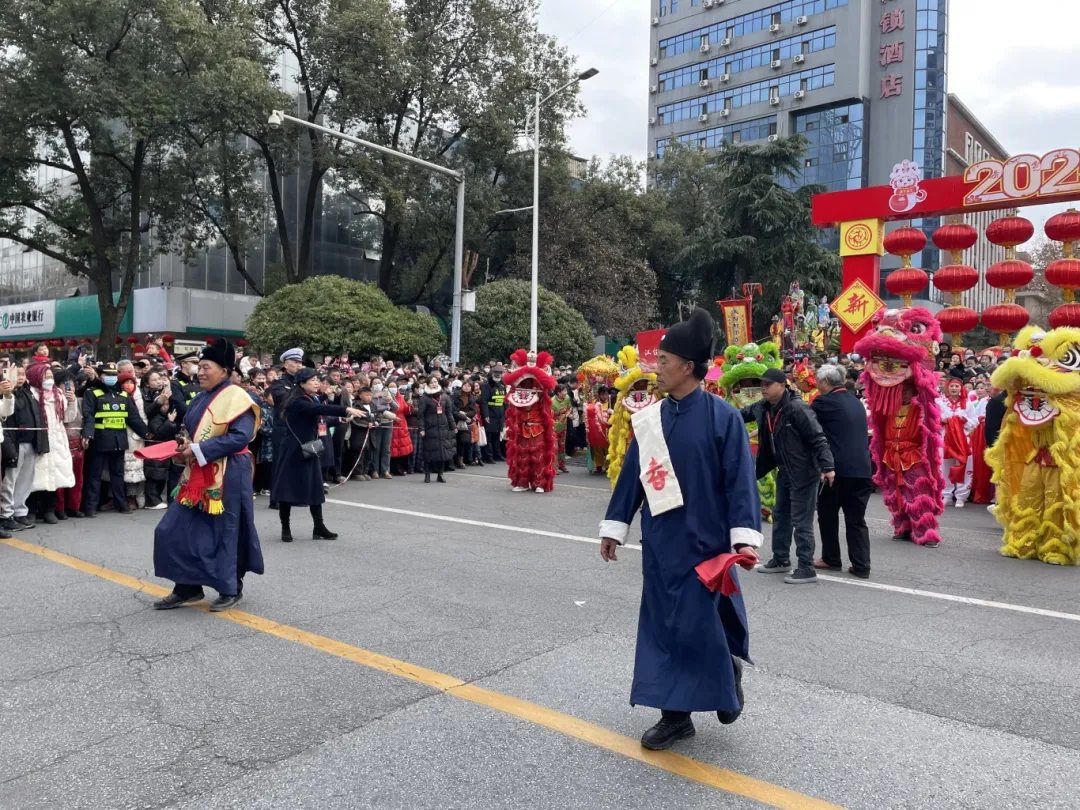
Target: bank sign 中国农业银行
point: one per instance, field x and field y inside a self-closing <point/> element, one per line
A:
<point x="34" y="318"/>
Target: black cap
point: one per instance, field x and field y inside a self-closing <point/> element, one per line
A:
<point x="188" y="356"/>
<point x="774" y="375"/>
<point x="220" y="352"/>
<point x="691" y="339"/>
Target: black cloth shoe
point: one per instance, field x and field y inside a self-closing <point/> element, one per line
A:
<point x="75" y="513"/>
<point x="175" y="600"/>
<point x="124" y="511"/>
<point x="861" y="573"/>
<point x="5" y="535"/>
<point x="902" y="537"/>
<point x="323" y="533"/>
<point x="668" y="732"/>
<point x="801" y="576"/>
<point x="90" y="513"/>
<point x="286" y="535"/>
<point x="726" y="717"/>
<point x="25" y="521"/>
<point x="9" y="525"/>
<point x="440" y="479"/>
<point x="427" y="478"/>
<point x="224" y="602"/>
<point x="51" y="518"/>
<point x="61" y="515"/>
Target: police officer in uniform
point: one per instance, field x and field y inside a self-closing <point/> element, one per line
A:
<point x="107" y="414"/>
<point x="184" y="389"/>
<point x="492" y="407"/>
<point x="292" y="360"/>
<point x="186" y="385"/>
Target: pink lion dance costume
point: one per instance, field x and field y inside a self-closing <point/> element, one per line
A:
<point x="901" y="391"/>
<point x="530" y="422"/>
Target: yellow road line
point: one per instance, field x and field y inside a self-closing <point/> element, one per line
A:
<point x="692" y="769"/>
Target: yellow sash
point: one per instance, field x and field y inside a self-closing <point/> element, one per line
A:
<point x="201" y="487"/>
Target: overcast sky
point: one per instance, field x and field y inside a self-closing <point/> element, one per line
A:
<point x="1022" y="82"/>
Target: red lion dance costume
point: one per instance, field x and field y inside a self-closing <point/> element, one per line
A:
<point x="901" y="390"/>
<point x="530" y="422"/>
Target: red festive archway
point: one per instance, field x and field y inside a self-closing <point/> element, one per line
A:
<point x="988" y="185"/>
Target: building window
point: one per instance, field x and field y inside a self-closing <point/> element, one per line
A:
<point x="750" y="22"/>
<point x="755" y="129"/>
<point x="772" y="128"/>
<point x="775" y="18"/>
<point x="736" y="137"/>
<point x="704" y="40"/>
<point x="835" y="157"/>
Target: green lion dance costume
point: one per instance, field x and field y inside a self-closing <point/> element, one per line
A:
<point x="741" y="384"/>
<point x="1036" y="458"/>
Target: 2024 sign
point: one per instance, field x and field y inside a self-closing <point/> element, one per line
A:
<point x="1023" y="177"/>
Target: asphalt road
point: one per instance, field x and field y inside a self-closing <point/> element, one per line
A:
<point x="947" y="681"/>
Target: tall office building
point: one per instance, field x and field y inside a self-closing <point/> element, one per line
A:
<point x="862" y="80"/>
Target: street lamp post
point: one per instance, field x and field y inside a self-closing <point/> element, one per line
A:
<point x="535" y="287"/>
<point x="278" y="117"/>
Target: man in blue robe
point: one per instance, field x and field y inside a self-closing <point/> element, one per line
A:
<point x="207" y="537"/>
<point x="690" y="471"/>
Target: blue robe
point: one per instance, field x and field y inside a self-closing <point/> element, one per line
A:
<point x="192" y="547"/>
<point x="687" y="634"/>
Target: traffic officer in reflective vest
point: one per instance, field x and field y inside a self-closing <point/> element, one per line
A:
<point x="107" y="413"/>
<point x="492" y="408"/>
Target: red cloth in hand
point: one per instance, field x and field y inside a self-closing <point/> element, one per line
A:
<point x="716" y="575"/>
<point x="158" y="452"/>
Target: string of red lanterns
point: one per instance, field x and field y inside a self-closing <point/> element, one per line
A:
<point x="906" y="281"/>
<point x="1008" y="275"/>
<point x="1065" y="272"/>
<point x="956" y="278"/>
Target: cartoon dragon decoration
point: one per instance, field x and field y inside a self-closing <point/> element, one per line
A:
<point x="901" y="391"/>
<point x="637" y="390"/>
<point x="530" y="422"/>
<point x="741" y="386"/>
<point x="1036" y="457"/>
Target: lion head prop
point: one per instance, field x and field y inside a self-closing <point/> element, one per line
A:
<point x="743" y="367"/>
<point x="637" y="391"/>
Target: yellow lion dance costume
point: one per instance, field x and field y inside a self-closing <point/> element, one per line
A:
<point x="637" y="390"/>
<point x="1036" y="458"/>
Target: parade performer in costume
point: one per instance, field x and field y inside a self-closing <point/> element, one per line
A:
<point x="957" y="422"/>
<point x="597" y="375"/>
<point x="207" y="537"/>
<point x="1036" y="457"/>
<point x="530" y="423"/>
<point x="798" y="298"/>
<point x="561" y="405"/>
<point x="982" y="490"/>
<point x="741" y="385"/>
<point x="823" y="312"/>
<point x="787" y="311"/>
<point x="690" y="473"/>
<point x="637" y="391"/>
<point x="805" y="381"/>
<point x="901" y="389"/>
<point x="776" y="330"/>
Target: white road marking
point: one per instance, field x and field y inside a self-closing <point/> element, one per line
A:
<point x="481" y="523"/>
<point x="881" y="586"/>
<point x="948" y="597"/>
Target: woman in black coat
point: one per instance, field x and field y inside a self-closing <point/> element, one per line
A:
<point x="437" y="430"/>
<point x="164" y="424"/>
<point x="298" y="480"/>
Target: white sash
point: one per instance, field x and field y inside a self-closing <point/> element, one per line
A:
<point x="657" y="474"/>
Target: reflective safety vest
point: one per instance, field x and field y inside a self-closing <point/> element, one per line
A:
<point x="111" y="413"/>
<point x="497" y="398"/>
<point x="190" y="390"/>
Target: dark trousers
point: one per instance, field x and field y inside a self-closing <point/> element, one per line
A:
<point x="794" y="514"/>
<point x="184" y="590"/>
<point x="851" y="495"/>
<point x="493" y="450"/>
<point x="115" y="461"/>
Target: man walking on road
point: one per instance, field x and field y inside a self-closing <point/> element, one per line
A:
<point x="790" y="439"/>
<point x="690" y="472"/>
<point x="843" y="419"/>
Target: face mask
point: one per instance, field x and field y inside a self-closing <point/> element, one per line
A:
<point x="129" y="387"/>
<point x="376" y="387"/>
<point x="191" y="371"/>
<point x="393" y="392"/>
<point x="110" y="380"/>
<point x="47" y="385"/>
<point x="487" y="370"/>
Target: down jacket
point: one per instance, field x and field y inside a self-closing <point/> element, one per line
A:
<point x="400" y="441"/>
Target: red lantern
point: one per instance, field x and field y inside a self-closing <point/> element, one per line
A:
<point x="956" y="237"/>
<point x="906" y="282"/>
<point x="1064" y="273"/>
<point x="119" y="341"/>
<point x="1008" y="275"/>
<point x="1005" y="318"/>
<point x="132" y="340"/>
<point x="167" y="338"/>
<point x="955" y="279"/>
<point x="1064" y="227"/>
<point x="956" y="320"/>
<point x="73" y="343"/>
<point x="1065" y="315"/>
<point x="1010" y="232"/>
<point x="241" y="342"/>
<point x="140" y="349"/>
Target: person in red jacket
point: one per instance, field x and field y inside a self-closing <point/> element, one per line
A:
<point x="401" y="446"/>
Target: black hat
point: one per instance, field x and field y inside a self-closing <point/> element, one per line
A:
<point x="774" y="375"/>
<point x="303" y="375"/>
<point x="691" y="339"/>
<point x="220" y="352"/>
